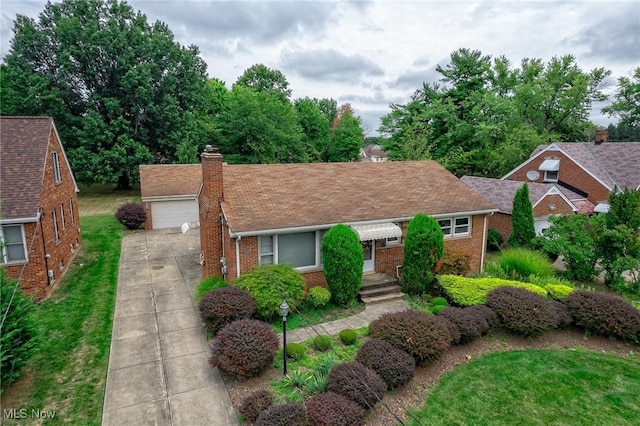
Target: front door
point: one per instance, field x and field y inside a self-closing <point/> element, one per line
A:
<point x="369" y="256"/>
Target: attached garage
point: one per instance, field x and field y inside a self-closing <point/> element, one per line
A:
<point x="169" y="194"/>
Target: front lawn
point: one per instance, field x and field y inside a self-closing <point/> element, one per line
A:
<point x="68" y="371"/>
<point x="537" y="387"/>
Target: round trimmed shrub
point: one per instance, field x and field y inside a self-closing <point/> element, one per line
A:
<point x="454" y="331"/>
<point x="222" y="306"/>
<point x="454" y="262"/>
<point x="487" y="313"/>
<point x="342" y="260"/>
<point x="295" y="351"/>
<point x="470" y="323"/>
<point x="561" y="314"/>
<point x="269" y="285"/>
<point x="131" y="215"/>
<point x="394" y="366"/>
<point x="318" y="297"/>
<point x="521" y="311"/>
<point x="604" y="314"/>
<point x="439" y="301"/>
<point x="358" y="383"/>
<point x="348" y="336"/>
<point x="421" y="335"/>
<point x="244" y="348"/>
<point x="322" y="343"/>
<point x="423" y="248"/>
<point x="287" y="414"/>
<point x="558" y="291"/>
<point x="331" y="409"/>
<point x="254" y="404"/>
<point x="208" y="284"/>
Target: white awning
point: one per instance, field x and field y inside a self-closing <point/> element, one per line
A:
<point x="550" y="165"/>
<point x="377" y="232"/>
<point x="601" y="208"/>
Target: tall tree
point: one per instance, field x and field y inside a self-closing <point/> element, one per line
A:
<point x="261" y="78"/>
<point x="523" y="225"/>
<point x="346" y="136"/>
<point x="626" y="105"/>
<point x="315" y="128"/>
<point x="118" y="87"/>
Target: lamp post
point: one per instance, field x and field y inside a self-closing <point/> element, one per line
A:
<point x="284" y="310"/>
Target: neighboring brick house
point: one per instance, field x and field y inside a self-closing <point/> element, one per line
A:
<point x="169" y="194"/>
<point x="546" y="200"/>
<point x="40" y="224"/>
<point x="277" y="213"/>
<point x="591" y="170"/>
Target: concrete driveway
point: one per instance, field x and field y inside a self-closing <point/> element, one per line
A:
<point x="158" y="366"/>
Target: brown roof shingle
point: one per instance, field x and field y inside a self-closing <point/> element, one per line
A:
<point x="164" y="180"/>
<point x="278" y="196"/>
<point x="23" y="150"/>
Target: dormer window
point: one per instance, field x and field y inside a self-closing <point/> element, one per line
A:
<point x="550" y="167"/>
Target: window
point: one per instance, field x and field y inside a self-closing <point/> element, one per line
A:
<point x="300" y="250"/>
<point x="394" y="240"/>
<point x="455" y="227"/>
<point x="56" y="166"/>
<point x="551" y="176"/>
<point x="14" y="248"/>
<point x="73" y="218"/>
<point x="64" y="223"/>
<point x="56" y="235"/>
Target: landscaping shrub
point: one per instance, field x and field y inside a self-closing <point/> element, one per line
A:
<point x="318" y="383"/>
<point x="549" y="279"/>
<point x="348" y="336"/>
<point x="287" y="414"/>
<point x="436" y="309"/>
<point x="18" y="335"/>
<point x="604" y="314"/>
<point x="318" y="297"/>
<point x="244" y="348"/>
<point x="454" y="262"/>
<point x="295" y="351"/>
<point x="522" y="220"/>
<point x="331" y="409"/>
<point x="131" y="215"/>
<point x="325" y="363"/>
<point x="561" y="315"/>
<point x="521" y="311"/>
<point x="494" y="240"/>
<point x="423" y="248"/>
<point x="208" y="284"/>
<point x="394" y="366"/>
<point x="322" y="343"/>
<point x="421" y="335"/>
<point x="439" y="301"/>
<point x="454" y="331"/>
<point x="470" y="323"/>
<point x="358" y="383"/>
<point x="487" y="313"/>
<point x="465" y="291"/>
<point x="521" y="262"/>
<point x="342" y="260"/>
<point x="254" y="404"/>
<point x="269" y="285"/>
<point x="558" y="291"/>
<point x="297" y="379"/>
<point x="222" y="306"/>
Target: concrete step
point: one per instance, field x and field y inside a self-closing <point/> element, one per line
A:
<point x="380" y="293"/>
<point x="377" y="280"/>
<point x="382" y="298"/>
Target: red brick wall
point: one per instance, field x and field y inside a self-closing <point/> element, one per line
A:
<point x="560" y="206"/>
<point x="211" y="213"/>
<point x="474" y="244"/>
<point x="148" y="216"/>
<point x="570" y="173"/>
<point x="54" y="196"/>
<point x="501" y="222"/>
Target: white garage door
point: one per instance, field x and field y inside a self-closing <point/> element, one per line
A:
<point x="169" y="214"/>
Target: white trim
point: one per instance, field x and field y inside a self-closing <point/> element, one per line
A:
<point x="555" y="191"/>
<point x="57" y="176"/>
<point x="3" y="251"/>
<point x="484" y="243"/>
<point x="64" y="154"/>
<point x="275" y="250"/>
<point x="452" y="226"/>
<point x="169" y="198"/>
<point x="20" y="220"/>
<point x="238" y="256"/>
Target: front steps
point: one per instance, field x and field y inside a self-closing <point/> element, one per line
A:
<point x="379" y="287"/>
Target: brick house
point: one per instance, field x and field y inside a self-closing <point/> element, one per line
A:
<point x="546" y="199"/>
<point x="40" y="224"/>
<point x="277" y="213"/>
<point x="591" y="170"/>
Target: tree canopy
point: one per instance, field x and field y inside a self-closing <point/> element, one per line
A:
<point x="626" y="105"/>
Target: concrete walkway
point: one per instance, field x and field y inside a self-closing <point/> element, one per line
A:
<point x="333" y="328"/>
<point x="158" y="365"/>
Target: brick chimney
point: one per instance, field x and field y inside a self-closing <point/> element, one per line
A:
<point x="211" y="196"/>
<point x="601" y="135"/>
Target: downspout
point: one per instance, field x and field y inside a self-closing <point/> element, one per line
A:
<point x="223" y="260"/>
<point x="44" y="249"/>
<point x="238" y="256"/>
<point x="484" y="243"/>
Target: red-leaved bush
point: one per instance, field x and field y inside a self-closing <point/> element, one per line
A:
<point x="522" y="311"/>
<point x="287" y="414"/>
<point x="394" y="366"/>
<point x="471" y="323"/>
<point x="254" y="404"/>
<point x="358" y="383"/>
<point x="131" y="215"/>
<point x="222" y="306"/>
<point x="331" y="409"/>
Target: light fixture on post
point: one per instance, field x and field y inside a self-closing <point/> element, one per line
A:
<point x="284" y="311"/>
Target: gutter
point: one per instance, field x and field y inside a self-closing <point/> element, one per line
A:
<point x="21" y="219"/>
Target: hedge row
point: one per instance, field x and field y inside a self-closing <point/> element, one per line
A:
<point x="464" y="291"/>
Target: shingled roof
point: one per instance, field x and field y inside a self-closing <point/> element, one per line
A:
<point x="23" y="153"/>
<point x="280" y="196"/>
<point x="170" y="180"/>
<point x="501" y="192"/>
<point x="613" y="163"/>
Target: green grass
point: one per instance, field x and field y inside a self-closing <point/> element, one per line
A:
<point x="537" y="387"/>
<point x="68" y="371"/>
<point x="307" y="317"/>
<point x="97" y="199"/>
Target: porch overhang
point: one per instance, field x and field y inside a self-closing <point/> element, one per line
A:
<point x="551" y="165"/>
<point x="377" y="232"/>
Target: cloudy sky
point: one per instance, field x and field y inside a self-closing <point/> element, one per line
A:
<point x="372" y="53"/>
